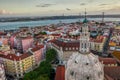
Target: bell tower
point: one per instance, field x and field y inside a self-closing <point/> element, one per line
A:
<point x="84" y="36"/>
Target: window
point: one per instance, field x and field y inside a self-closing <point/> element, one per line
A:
<point x="76" y="48"/>
<point x="73" y="48"/>
<point x="99" y="73"/>
<point x="88" y="77"/>
<point x="66" y="49"/>
<point x="76" y="62"/>
<point x="90" y="45"/>
<point x="71" y="73"/>
<point x="19" y="74"/>
<point x="85" y="45"/>
<point x="82" y="45"/>
<point x="87" y="63"/>
<point x="95" y="61"/>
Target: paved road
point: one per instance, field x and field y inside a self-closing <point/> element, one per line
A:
<point x="106" y="46"/>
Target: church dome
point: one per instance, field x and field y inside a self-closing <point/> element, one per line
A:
<point x="84" y="67"/>
<point x="85" y="20"/>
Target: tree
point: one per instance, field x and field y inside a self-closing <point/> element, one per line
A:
<point x="45" y="68"/>
<point x="43" y="33"/>
<point x="51" y="55"/>
<point x="30" y="76"/>
<point x="43" y="77"/>
<point x="52" y="74"/>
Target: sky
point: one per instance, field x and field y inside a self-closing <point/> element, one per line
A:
<point x="57" y="7"/>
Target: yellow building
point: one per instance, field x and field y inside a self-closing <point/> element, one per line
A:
<point x="4" y="47"/>
<point x="98" y="43"/>
<point x="18" y="64"/>
<point x="114" y="44"/>
<point x="116" y="55"/>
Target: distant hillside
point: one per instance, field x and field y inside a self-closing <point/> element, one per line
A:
<point x="14" y="19"/>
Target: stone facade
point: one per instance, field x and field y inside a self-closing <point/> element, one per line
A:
<point x="84" y="67"/>
<point x="2" y="72"/>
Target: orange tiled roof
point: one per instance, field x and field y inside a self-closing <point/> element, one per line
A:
<point x="108" y="60"/>
<point x="112" y="72"/>
<point x="60" y="73"/>
<point x="116" y="54"/>
<point x="66" y="44"/>
<point x="24" y="38"/>
<point x="15" y="57"/>
<point x="37" y="48"/>
<point x="51" y="40"/>
<point x="108" y="77"/>
<point x="2" y="33"/>
<point x="111" y="43"/>
<point x="99" y="39"/>
<point x="55" y="34"/>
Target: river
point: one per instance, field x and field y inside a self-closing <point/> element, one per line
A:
<point x="16" y="25"/>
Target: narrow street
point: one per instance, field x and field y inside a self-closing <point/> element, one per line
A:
<point x="106" y="46"/>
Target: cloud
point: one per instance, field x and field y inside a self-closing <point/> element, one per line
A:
<point x="90" y="1"/>
<point x="103" y="4"/>
<point x="116" y="8"/>
<point x="68" y="9"/>
<point x="110" y="9"/>
<point x="5" y="12"/>
<point x="44" y="5"/>
<point x="82" y="4"/>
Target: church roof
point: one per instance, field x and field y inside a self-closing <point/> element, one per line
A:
<point x="66" y="44"/>
<point x="85" y="20"/>
<point x="83" y="67"/>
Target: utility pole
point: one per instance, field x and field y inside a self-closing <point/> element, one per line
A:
<point x="79" y="16"/>
<point x="103" y="17"/>
<point x="85" y="14"/>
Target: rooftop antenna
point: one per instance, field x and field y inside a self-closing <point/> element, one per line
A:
<point x="85" y="17"/>
<point x="85" y="14"/>
<point x="79" y="16"/>
<point x="103" y="17"/>
<point x="63" y="14"/>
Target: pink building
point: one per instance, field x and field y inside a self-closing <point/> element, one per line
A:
<point x="27" y="43"/>
<point x="4" y="41"/>
<point x="12" y="41"/>
<point x="23" y="44"/>
<point x="1" y="60"/>
<point x="38" y="52"/>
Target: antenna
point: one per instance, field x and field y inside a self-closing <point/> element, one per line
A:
<point x="85" y="13"/>
<point x="63" y="14"/>
<point x="85" y="20"/>
<point x="79" y="16"/>
<point x="103" y="16"/>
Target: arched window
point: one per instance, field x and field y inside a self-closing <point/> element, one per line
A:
<point x="88" y="77"/>
<point x="82" y="45"/>
<point x="85" y="45"/>
<point x="71" y="73"/>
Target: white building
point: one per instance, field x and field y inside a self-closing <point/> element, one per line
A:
<point x="2" y="72"/>
<point x="84" y="65"/>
